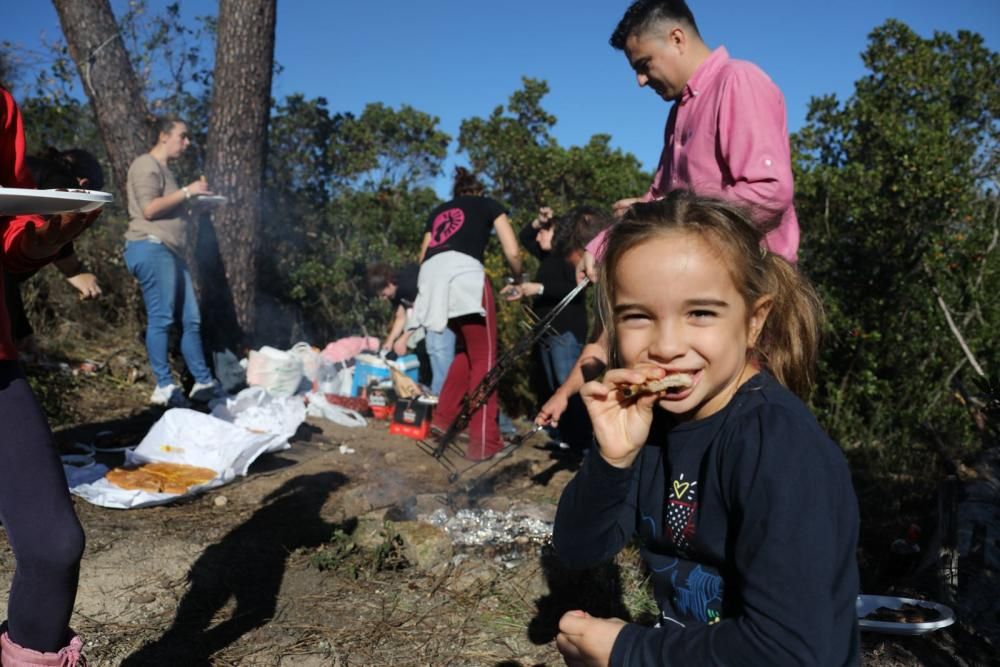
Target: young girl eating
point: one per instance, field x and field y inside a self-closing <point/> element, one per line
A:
<point x="743" y="507"/>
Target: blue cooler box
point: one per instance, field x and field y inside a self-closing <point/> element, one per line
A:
<point x="368" y="367"/>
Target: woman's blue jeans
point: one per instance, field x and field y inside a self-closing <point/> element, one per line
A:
<point x="168" y="293"/>
<point x="441" y="351"/>
<point x="559" y="354"/>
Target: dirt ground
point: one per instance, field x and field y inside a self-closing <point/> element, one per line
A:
<point x="233" y="584"/>
<point x="313" y="559"/>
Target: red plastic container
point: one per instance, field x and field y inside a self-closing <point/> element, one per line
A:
<point x="381" y="411"/>
<point x="411" y="418"/>
<point x="411" y="431"/>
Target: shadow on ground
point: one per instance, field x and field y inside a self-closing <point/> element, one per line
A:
<point x="248" y="566"/>
<point x="596" y="590"/>
<point x="563" y="459"/>
<point x="111" y="433"/>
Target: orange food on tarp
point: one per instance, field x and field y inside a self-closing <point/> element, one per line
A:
<point x="159" y="477"/>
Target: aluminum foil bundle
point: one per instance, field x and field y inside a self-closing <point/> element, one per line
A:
<point x="484" y="527"/>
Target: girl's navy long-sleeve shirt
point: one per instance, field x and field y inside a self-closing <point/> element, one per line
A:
<point x="748" y="522"/>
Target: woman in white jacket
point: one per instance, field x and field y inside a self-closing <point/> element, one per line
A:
<point x="454" y="293"/>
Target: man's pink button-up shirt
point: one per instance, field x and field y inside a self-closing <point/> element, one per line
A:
<point x="728" y="137"/>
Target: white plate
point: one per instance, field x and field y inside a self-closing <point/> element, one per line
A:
<point x="209" y="200"/>
<point x="869" y="603"/>
<point x="23" y="201"/>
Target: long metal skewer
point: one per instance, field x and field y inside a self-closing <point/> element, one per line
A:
<point x="475" y="400"/>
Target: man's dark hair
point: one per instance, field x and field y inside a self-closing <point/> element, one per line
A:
<point x="644" y="14"/>
<point x="379" y="275"/>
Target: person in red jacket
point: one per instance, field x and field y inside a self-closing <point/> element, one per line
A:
<point x="35" y="507"/>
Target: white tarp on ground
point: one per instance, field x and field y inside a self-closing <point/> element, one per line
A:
<point x="249" y="425"/>
<point x="260" y="412"/>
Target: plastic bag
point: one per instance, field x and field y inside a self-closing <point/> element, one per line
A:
<point x="280" y="373"/>
<point x="343" y="349"/>
<point x="335" y="379"/>
<point x="320" y="407"/>
<point x="259" y="412"/>
<point x="310" y="358"/>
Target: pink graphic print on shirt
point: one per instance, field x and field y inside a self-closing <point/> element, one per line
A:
<point x="445" y="225"/>
<point x="681" y="505"/>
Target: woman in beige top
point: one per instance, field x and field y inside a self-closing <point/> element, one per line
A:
<point x="154" y="251"/>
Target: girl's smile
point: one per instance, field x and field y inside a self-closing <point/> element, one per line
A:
<point x="676" y="308"/>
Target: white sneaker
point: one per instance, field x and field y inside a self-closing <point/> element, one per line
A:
<point x="203" y="392"/>
<point x="168" y="396"/>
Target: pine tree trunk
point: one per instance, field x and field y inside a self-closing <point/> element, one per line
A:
<point x="236" y="150"/>
<point x="109" y="81"/>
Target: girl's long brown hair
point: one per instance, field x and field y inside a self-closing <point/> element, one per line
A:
<point x="788" y="344"/>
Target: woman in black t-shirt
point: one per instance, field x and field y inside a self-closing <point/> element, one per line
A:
<point x="454" y="292"/>
<point x="559" y="244"/>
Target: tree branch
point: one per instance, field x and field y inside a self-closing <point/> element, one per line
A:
<point x="992" y="246"/>
<point x="951" y="325"/>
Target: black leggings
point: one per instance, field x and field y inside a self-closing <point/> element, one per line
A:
<point x="39" y="518"/>
<point x="20" y="327"/>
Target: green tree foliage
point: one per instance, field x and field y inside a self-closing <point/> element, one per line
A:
<point x="896" y="194"/>
<point x="54" y="117"/>
<point x="388" y="149"/>
<point x="515" y="150"/>
<point x="66" y="125"/>
<point x="527" y="168"/>
<point x="173" y="56"/>
<point x="6" y="68"/>
<point x="344" y="191"/>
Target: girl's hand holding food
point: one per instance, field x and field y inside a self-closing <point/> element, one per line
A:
<point x="621" y="424"/>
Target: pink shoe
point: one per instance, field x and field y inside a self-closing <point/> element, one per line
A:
<point x="13" y="655"/>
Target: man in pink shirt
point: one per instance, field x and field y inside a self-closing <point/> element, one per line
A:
<point x="726" y="134"/>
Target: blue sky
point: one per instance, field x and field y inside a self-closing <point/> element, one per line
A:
<point x="460" y="58"/>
